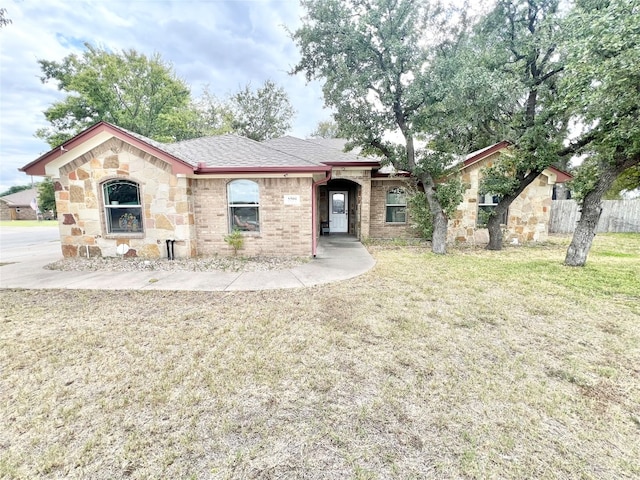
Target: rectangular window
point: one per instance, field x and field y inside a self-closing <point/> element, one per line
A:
<point x="244" y="205"/>
<point x="123" y="211"/>
<point x="486" y="205"/>
<point x="396" y="206"/>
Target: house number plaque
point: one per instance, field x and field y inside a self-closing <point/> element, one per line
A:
<point x="292" y="199"/>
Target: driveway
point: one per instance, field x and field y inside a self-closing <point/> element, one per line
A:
<point x="340" y="257"/>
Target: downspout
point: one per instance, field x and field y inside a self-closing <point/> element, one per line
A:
<point x="314" y="215"/>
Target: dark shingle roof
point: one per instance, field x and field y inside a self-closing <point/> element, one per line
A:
<point x="21" y="198"/>
<point x="234" y="151"/>
<point x="318" y="151"/>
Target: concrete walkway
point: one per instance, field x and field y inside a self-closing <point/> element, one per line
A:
<point x="339" y="257"/>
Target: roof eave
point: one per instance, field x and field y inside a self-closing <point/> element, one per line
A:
<point x="38" y="166"/>
<point x="485" y="153"/>
<point x="203" y="170"/>
<point x="353" y="164"/>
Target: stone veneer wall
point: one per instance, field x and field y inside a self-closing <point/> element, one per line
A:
<point x="166" y="204"/>
<point x="379" y="227"/>
<point x="285" y="230"/>
<point x="528" y="216"/>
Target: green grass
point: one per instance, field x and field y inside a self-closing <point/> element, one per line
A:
<point x="28" y="223"/>
<point x="475" y="364"/>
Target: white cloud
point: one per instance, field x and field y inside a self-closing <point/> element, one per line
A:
<point x="223" y="43"/>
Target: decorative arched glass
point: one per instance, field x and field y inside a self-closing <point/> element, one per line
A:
<point x="123" y="209"/>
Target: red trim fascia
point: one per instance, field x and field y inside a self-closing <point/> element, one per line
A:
<point x="561" y="174"/>
<point x="353" y="164"/>
<point x="37" y="167"/>
<point x="489" y="151"/>
<point x="222" y="170"/>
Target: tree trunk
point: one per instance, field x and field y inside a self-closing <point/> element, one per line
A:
<point x="584" y="233"/>
<point x="495" y="232"/>
<point x="439" y="239"/>
<point x="591" y="208"/>
<point x="493" y="224"/>
<point x="440" y="220"/>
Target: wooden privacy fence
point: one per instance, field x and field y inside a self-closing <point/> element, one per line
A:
<point x="617" y="216"/>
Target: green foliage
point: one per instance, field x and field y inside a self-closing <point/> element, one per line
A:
<point x="500" y="178"/>
<point x="212" y="116"/>
<point x="125" y="88"/>
<point x="46" y="196"/>
<point x="601" y="82"/>
<point x="235" y="240"/>
<point x="371" y="57"/>
<point x="449" y="193"/>
<point x="484" y="216"/>
<point x="261" y="114"/>
<point x="498" y="82"/>
<point x="327" y="129"/>
<point x="420" y="214"/>
<point x="143" y="94"/>
<point x="627" y="181"/>
<point x="15" y="189"/>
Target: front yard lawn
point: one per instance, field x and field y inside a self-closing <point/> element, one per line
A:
<point x="475" y="364"/>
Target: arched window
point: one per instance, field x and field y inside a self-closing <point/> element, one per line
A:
<point x="244" y="205"/>
<point x="123" y="210"/>
<point x="396" y="205"/>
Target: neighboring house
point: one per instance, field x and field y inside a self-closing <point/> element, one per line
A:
<point x="114" y="187"/>
<point x="528" y="216"/>
<point x="17" y="206"/>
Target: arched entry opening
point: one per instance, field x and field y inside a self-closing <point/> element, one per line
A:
<point x="340" y="207"/>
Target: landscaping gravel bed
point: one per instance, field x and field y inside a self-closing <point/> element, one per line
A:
<point x="200" y="264"/>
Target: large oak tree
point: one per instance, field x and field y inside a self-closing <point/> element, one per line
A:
<point x="373" y="58"/>
<point x="601" y="89"/>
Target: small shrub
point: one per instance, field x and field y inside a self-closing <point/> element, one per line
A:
<point x="235" y="240"/>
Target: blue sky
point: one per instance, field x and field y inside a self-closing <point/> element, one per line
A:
<point x="224" y="44"/>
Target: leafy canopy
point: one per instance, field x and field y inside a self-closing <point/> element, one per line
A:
<point x="263" y="113"/>
<point x="144" y="95"/>
<point x="601" y="84"/>
<point x="125" y="88"/>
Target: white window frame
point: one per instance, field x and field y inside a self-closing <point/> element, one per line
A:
<point x="243" y="196"/>
<point x="129" y="213"/>
<point x="395" y="191"/>
<point x="488" y="203"/>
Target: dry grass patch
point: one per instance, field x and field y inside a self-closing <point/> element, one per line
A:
<point x="473" y="365"/>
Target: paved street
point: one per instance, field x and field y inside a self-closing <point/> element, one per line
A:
<point x="24" y="243"/>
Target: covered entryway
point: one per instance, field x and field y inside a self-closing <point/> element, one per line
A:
<point x="339" y="207"/>
<point x="339" y="211"/>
